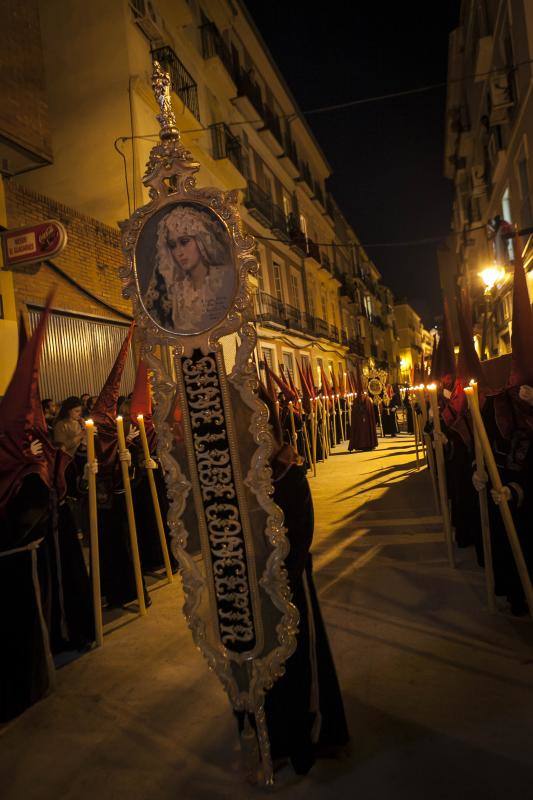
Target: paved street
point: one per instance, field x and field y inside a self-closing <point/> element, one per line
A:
<point x="438" y="693"/>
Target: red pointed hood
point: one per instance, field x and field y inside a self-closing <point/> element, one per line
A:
<point x="104" y="412"/>
<point x="141" y="398"/>
<point x="326" y="388"/>
<point x="522" y="333"/>
<point x="141" y="403"/>
<point x="433" y="362"/>
<point x="269" y="386"/>
<point x="334" y="382"/>
<point x="468" y="363"/>
<point x="22" y="421"/>
<point x="306" y="393"/>
<point x="359" y="387"/>
<point x="445" y="357"/>
<point x="311" y="380"/>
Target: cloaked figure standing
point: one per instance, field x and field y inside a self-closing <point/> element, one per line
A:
<point x="363" y="434"/>
<point x="508" y="418"/>
<point x="116" y="558"/>
<point x="30" y="470"/>
<point x="304" y="709"/>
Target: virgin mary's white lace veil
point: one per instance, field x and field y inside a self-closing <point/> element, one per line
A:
<point x="207" y="231"/>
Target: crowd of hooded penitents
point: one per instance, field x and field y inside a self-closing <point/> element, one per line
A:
<point x="47" y="606"/>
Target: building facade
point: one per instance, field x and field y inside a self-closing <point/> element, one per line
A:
<point x="319" y="298"/>
<point x="489" y="137"/>
<point x="415" y="342"/>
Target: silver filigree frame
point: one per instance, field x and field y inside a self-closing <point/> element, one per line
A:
<point x="170" y="177"/>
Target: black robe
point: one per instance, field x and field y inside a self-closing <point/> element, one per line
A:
<point x="305" y="717"/>
<point x="26" y="666"/>
<point x="150" y="551"/>
<point x="514" y="458"/>
<point x="70" y="607"/>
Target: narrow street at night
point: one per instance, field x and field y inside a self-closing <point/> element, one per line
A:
<point x="438" y="692"/>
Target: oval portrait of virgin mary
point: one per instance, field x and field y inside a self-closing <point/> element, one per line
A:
<point x="184" y="267"/>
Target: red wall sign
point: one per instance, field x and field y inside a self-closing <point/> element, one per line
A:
<point x="33" y="243"/>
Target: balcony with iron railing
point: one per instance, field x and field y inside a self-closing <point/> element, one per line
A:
<point x="248" y="91"/>
<point x="259" y="204"/>
<point x="318" y="194"/>
<point x="225" y="145"/>
<point x="289" y="157"/>
<point x="271" y="132"/>
<point x="182" y="82"/>
<point x="271" y="310"/>
<point x="305" y="180"/>
<point x="214" y="47"/>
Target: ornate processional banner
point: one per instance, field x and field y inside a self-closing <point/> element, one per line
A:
<point x="187" y="273"/>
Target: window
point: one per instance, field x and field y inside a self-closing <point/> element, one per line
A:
<point x="287" y="205"/>
<point x="323" y="302"/>
<point x="288" y="363"/>
<point x="278" y="287"/>
<point x="268" y="356"/>
<point x="260" y="278"/>
<point x="319" y="368"/>
<point x="311" y="296"/>
<point x="303" y="227"/>
<point x="294" y="290"/>
<point x="306" y="363"/>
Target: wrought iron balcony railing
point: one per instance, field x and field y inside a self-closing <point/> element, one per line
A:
<point x="247" y="86"/>
<point x="272" y="123"/>
<point x="214" y="45"/>
<point x="181" y="80"/>
<point x="226" y="145"/>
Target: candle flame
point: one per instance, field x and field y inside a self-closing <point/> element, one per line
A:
<point x="89" y="422"/>
<point x="119" y="418"/>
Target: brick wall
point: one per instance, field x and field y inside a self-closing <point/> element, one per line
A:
<point x="24" y="108"/>
<point x="92" y="258"/>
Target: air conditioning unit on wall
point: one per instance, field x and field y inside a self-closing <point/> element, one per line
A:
<point x="148" y="19"/>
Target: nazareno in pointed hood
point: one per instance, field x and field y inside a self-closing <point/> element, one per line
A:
<point x="445" y="357"/>
<point x="104" y="411"/>
<point x="522" y="333"/>
<point x="22" y="421"/>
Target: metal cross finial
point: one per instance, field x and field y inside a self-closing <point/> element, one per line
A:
<point x="161" y="85"/>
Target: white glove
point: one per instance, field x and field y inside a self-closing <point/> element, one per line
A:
<point x="125" y="455"/>
<point x="133" y="433"/>
<point x="479" y="479"/>
<point x="90" y="467"/>
<point x="497" y="496"/>
<point x="442" y="437"/>
<point x="525" y="393"/>
<point x="36" y="448"/>
<point x="150" y="464"/>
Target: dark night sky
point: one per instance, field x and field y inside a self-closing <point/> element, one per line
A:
<point x="387" y="157"/>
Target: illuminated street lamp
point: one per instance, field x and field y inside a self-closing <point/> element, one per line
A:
<point x="491" y="276"/>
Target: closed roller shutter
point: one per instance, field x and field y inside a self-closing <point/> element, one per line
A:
<point x="78" y="353"/>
